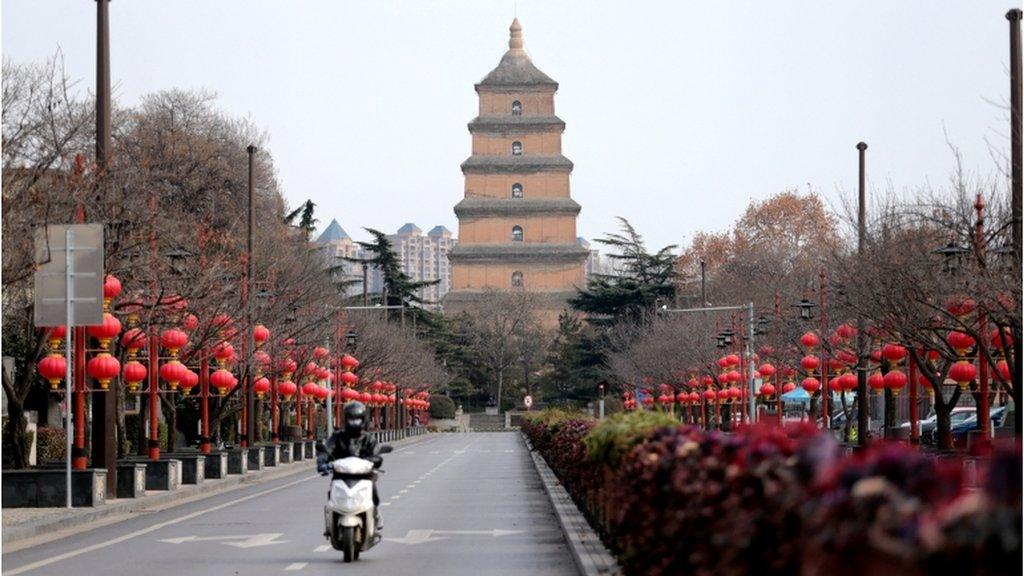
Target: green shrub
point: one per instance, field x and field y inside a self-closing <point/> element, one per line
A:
<point x="442" y="408"/>
<point x="52" y="444"/>
<point x="617" y="434"/>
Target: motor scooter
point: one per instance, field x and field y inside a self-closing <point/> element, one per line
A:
<point x="350" y="515"/>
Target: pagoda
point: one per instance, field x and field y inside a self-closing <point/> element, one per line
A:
<point x="517" y="221"/>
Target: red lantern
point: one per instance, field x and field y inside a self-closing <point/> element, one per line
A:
<point x="767" y="371"/>
<point x="57" y="333"/>
<point x="349" y="362"/>
<point x="134" y="339"/>
<point x="732" y="360"/>
<point x="224" y="352"/>
<point x="847" y="357"/>
<point x="348" y="394"/>
<point x="962" y="373"/>
<point x="960" y="306"/>
<point x="893" y="353"/>
<point x="683" y="397"/>
<point x="173" y="372"/>
<point x="723" y="395"/>
<point x="895" y="380"/>
<point x="106" y="331"/>
<point x="364" y="397"/>
<point x="349" y="379"/>
<point x="810" y="340"/>
<point x="848" y="381"/>
<point x="833" y="384"/>
<point x="788" y="387"/>
<point x="173" y="340"/>
<point x="190" y="322"/>
<point x="876" y="382"/>
<point x="111" y="288"/>
<point x="997" y="340"/>
<point x="846" y="331"/>
<point x="287" y="389"/>
<point x="767" y="390"/>
<point x="960" y="342"/>
<point x="223" y="381"/>
<point x="134" y="374"/>
<point x="810" y="385"/>
<point x="261" y="359"/>
<point x="53" y="368"/>
<point x="287" y="366"/>
<point x="190" y="381"/>
<point x="723" y="362"/>
<point x="810" y="363"/>
<point x="104" y="368"/>
<point x="1003" y="369"/>
<point x="735" y="393"/>
<point x="260" y="334"/>
<point x="221" y="321"/>
<point x="261" y="386"/>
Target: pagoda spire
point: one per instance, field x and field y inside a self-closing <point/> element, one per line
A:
<point x="515" y="40"/>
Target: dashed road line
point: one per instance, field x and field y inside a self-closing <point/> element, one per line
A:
<point x="296" y="566"/>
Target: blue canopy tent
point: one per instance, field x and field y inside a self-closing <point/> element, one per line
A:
<point x="796" y="396"/>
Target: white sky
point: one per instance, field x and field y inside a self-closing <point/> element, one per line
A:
<point x="678" y="112"/>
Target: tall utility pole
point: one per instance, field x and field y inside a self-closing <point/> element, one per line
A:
<point x="104" y="439"/>
<point x="862" y="376"/>
<point x="250" y="291"/>
<point x="1014" y="16"/>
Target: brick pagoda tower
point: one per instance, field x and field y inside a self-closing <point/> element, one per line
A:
<point x="517" y="222"/>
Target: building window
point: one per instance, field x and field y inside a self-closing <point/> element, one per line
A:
<point x="517" y="190"/>
<point x="517" y="108"/>
<point x="517" y="279"/>
<point x="517" y="233"/>
<point x="517" y="148"/>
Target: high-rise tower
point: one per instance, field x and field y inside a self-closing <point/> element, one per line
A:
<point x="517" y="222"/>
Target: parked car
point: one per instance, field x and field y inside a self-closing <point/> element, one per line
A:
<point x="959" y="431"/>
<point x="927" y="426"/>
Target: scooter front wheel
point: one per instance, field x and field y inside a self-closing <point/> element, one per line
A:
<point x="348" y="543"/>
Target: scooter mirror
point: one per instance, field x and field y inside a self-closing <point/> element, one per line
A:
<point x="386" y="448"/>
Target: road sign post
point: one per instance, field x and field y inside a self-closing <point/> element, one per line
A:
<point x="68" y="290"/>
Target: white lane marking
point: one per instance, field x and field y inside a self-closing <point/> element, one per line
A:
<point x="403" y="491"/>
<point x="322" y="548"/>
<point x="153" y="528"/>
<point x="296" y="566"/>
<point x="245" y="540"/>
<point x="395" y="497"/>
<point x="410" y="452"/>
<point x="385" y="503"/>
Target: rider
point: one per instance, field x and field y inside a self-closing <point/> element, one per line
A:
<point x="351" y="440"/>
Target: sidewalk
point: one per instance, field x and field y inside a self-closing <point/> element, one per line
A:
<point x="20" y="524"/>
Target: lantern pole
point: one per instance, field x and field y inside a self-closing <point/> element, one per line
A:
<point x="915" y="432"/>
<point x="154" y="405"/>
<point x="862" y="377"/>
<point x="204" y="403"/>
<point x="68" y="312"/>
<point x="979" y="240"/>
<point x="250" y="342"/>
<point x="825" y="392"/>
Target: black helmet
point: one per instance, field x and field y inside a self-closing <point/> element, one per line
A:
<point x="355" y="417"/>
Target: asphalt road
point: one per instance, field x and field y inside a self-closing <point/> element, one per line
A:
<point x="452" y="504"/>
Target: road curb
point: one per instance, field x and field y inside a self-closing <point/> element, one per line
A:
<point x="589" y="553"/>
<point x="16" y="533"/>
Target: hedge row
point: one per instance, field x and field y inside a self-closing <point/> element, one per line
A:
<point x="672" y="499"/>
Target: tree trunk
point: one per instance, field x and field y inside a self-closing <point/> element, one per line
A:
<point x="944" y="440"/>
<point x="501" y="375"/>
<point x="15" y="432"/>
<point x="890" y="410"/>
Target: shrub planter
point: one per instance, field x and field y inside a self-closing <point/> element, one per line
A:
<point x="285" y="451"/>
<point x="193" y="466"/>
<point x="255" y="457"/>
<point x="47" y="488"/>
<point x="238" y="461"/>
<point x="131" y="480"/>
<point x="216" y="465"/>
<point x="271" y="455"/>
<point x="297" y="451"/>
<point x="162" y="474"/>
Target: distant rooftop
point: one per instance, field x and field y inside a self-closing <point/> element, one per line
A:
<point x="583" y="242"/>
<point x="439" y="231"/>
<point x="333" y="233"/>
<point x="410" y="228"/>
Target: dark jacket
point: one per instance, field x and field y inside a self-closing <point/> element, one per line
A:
<point x="342" y="445"/>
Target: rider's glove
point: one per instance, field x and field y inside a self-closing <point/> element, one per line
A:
<point x="322" y="467"/>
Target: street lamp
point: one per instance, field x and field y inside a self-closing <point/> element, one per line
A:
<point x="351" y="339"/>
<point x="806" y="307"/>
<point x="952" y="256"/>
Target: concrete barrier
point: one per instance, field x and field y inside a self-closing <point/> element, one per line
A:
<point x="238" y="461"/>
<point x="216" y="465"/>
<point x="47" y="488"/>
<point x="131" y="480"/>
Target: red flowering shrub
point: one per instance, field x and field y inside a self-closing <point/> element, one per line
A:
<point x="670" y="499"/>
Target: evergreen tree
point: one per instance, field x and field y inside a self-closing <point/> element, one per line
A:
<point x="398" y="287"/>
<point x="641" y="280"/>
<point x="576" y="363"/>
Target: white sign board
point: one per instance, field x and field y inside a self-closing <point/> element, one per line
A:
<point x="52" y="270"/>
<point x="528" y="401"/>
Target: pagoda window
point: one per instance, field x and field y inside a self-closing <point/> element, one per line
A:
<point x="517" y="108"/>
<point x="517" y="190"/>
<point x="517" y="279"/>
<point x="517" y="233"/>
<point x="517" y="148"/>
